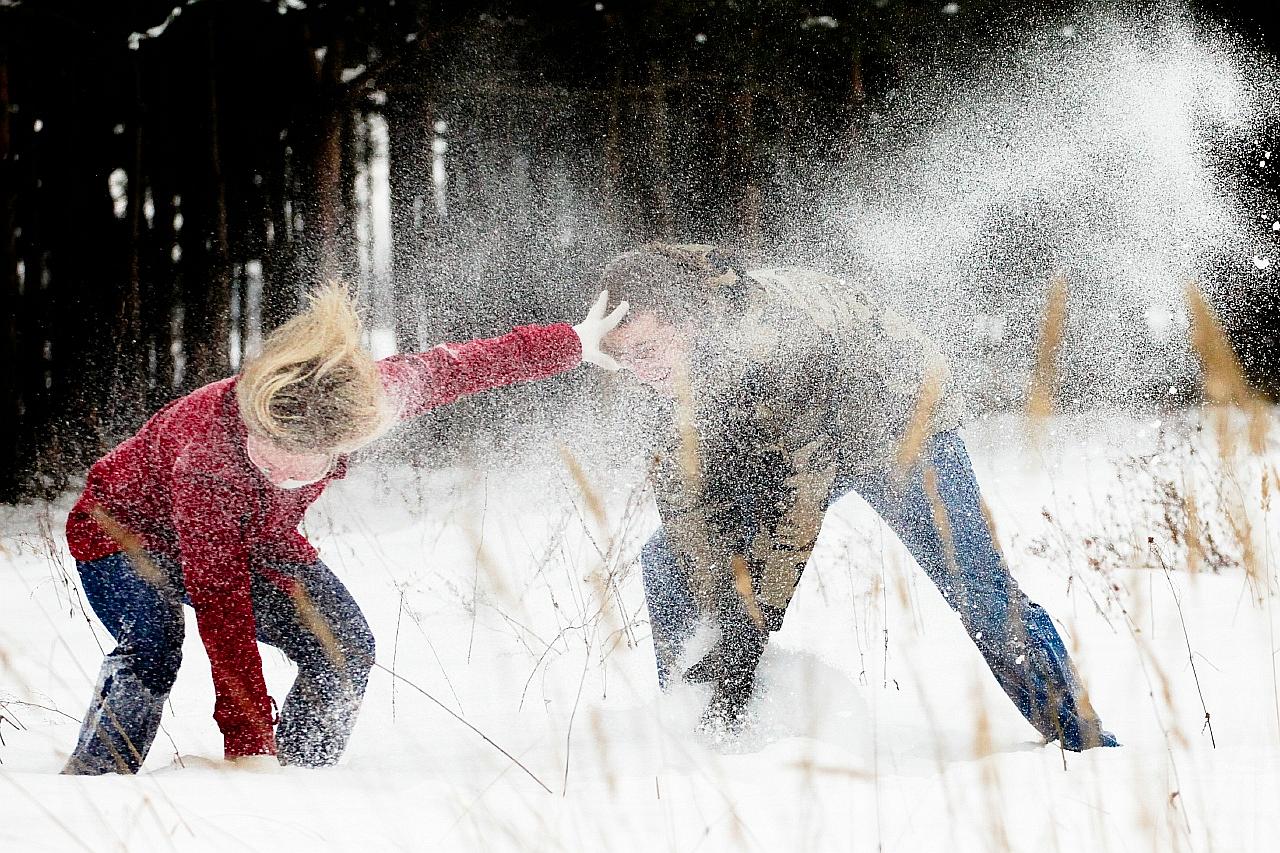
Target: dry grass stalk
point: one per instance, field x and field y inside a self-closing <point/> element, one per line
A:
<point x="452" y="713"/>
<point x="600" y="734"/>
<point x="742" y="583"/>
<point x="485" y="563"/>
<point x="989" y="517"/>
<point x="131" y="544"/>
<point x="1191" y="532"/>
<point x="902" y="590"/>
<point x="1044" y="377"/>
<point x="809" y="766"/>
<point x="1164" y="684"/>
<point x="600" y="578"/>
<point x="983" y="747"/>
<point x="1242" y="528"/>
<point x="1186" y="635"/>
<point x="1225" y="384"/>
<point x="595" y="505"/>
<point x="686" y="425"/>
<point x="919" y="429"/>
<point x="940" y="518"/>
<point x="1259" y="426"/>
<point x="313" y="621"/>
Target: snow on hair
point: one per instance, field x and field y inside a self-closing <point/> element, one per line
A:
<point x="314" y="387"/>
<point x="654" y="282"/>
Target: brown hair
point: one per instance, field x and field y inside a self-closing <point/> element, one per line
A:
<point x="314" y="387"/>
<point x="675" y="281"/>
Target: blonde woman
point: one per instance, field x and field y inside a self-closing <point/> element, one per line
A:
<point x="203" y="504"/>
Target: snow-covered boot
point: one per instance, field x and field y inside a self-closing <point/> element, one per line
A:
<point x="320" y="711"/>
<point x="120" y="725"/>
<point x="731" y="664"/>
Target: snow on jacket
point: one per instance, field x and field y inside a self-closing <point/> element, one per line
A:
<point x="185" y="488"/>
<point x="806" y="380"/>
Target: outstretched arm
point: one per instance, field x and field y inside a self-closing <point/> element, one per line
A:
<point x="418" y="382"/>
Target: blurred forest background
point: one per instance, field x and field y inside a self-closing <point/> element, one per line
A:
<point x="175" y="173"/>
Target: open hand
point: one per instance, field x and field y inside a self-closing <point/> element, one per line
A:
<point x="595" y="326"/>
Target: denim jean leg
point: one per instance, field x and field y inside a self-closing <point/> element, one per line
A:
<point x="673" y="612"/>
<point x="1015" y="636"/>
<point x="145" y="618"/>
<point x="327" y="636"/>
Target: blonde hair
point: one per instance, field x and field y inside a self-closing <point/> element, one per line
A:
<point x="314" y="387"/>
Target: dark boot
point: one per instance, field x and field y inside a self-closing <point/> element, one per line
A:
<point x="731" y="664"/>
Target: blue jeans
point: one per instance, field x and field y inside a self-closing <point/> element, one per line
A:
<point x="146" y="619"/>
<point x="1014" y="634"/>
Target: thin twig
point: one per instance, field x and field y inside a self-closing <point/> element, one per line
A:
<point x="395" y="651"/>
<point x="7" y="702"/>
<point x="1187" y="637"/>
<point x="475" y="589"/>
<point x="568" y="735"/>
<point x="463" y="720"/>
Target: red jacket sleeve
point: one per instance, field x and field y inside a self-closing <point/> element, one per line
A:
<point x="418" y="382"/>
<point x="215" y="567"/>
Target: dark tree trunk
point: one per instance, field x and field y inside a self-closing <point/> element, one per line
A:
<point x="207" y="318"/>
<point x="352" y="152"/>
<point x="660" y="174"/>
<point x="411" y="132"/>
<point x="129" y="389"/>
<point x="327" y="167"/>
<point x="611" y="185"/>
<point x="280" y="261"/>
<point x="160" y="283"/>
<point x="11" y="414"/>
<point x="164" y="158"/>
<point x="83" y="243"/>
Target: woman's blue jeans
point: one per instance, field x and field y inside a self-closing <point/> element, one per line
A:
<point x="1014" y="634"/>
<point x="146" y="619"/>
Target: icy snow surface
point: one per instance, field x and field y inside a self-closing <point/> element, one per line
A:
<point x="876" y="725"/>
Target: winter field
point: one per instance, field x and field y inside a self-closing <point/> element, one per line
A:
<point x="511" y="600"/>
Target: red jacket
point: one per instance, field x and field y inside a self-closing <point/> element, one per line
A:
<point x="185" y="487"/>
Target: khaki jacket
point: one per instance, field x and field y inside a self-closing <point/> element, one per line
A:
<point x="806" y="382"/>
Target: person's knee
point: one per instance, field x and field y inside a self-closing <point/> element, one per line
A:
<point x="361" y="648"/>
<point x="350" y="654"/>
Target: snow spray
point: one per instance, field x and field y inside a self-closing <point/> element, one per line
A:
<point x="1120" y="152"/>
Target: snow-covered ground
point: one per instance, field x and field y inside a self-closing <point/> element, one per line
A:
<point x="504" y="598"/>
